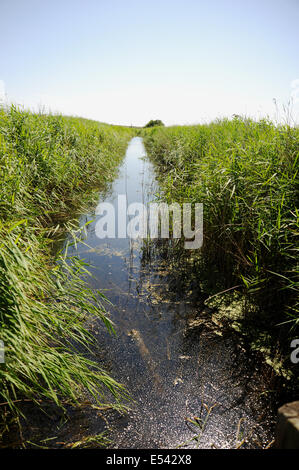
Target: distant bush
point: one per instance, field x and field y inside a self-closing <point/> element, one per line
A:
<point x="153" y="123"/>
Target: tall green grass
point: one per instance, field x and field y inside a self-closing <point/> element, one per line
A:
<point x="48" y="165"/>
<point x="48" y="161"/>
<point x="246" y="175"/>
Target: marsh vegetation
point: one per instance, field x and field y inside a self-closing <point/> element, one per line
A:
<point x="49" y="166"/>
<point x="246" y="175"/>
<point x="187" y="320"/>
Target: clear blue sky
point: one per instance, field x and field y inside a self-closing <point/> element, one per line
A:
<point x="128" y="61"/>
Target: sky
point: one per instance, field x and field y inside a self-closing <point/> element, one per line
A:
<point x="129" y="61"/>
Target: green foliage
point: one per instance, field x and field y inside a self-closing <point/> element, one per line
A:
<point x="42" y="314"/>
<point x="154" y="123"/>
<point x="47" y="164"/>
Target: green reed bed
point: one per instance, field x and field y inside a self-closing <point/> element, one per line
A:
<point x="246" y="175"/>
<point x="48" y="164"/>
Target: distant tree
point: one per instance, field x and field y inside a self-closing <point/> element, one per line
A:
<point x="153" y="123"/>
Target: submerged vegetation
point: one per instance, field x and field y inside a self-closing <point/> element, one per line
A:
<point x="246" y="175"/>
<point x="48" y="164"/>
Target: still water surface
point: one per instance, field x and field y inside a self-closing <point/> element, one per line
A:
<point x="174" y="365"/>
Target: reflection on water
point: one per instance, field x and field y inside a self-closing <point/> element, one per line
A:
<point x="167" y="352"/>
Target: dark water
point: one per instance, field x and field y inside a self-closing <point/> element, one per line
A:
<point x="172" y="358"/>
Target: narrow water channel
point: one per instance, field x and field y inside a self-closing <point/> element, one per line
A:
<point x="173" y="365"/>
